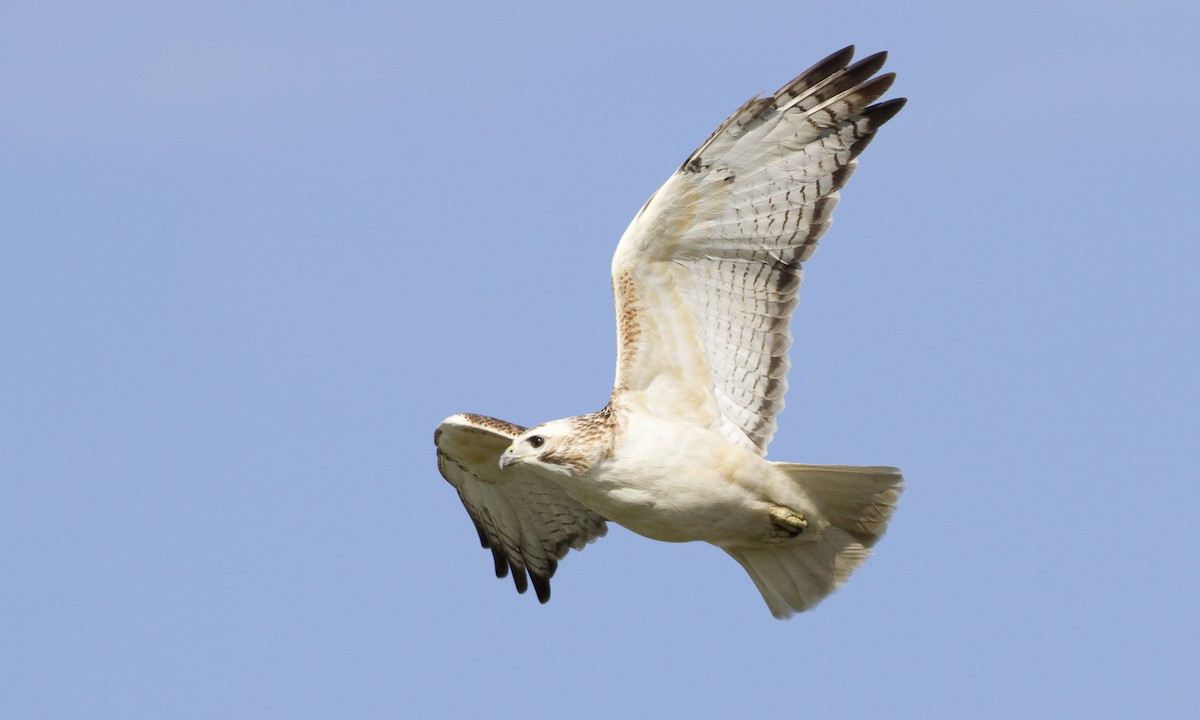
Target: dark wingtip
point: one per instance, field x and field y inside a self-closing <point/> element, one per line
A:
<point x="885" y="110"/>
<point x="878" y="115"/>
<point x="498" y="557"/>
<point x="519" y="579"/>
<point x="873" y="89"/>
<point x="869" y="65"/>
<point x="541" y="585"/>
<point x="829" y="64"/>
<point x="541" y="581"/>
<point x="500" y="561"/>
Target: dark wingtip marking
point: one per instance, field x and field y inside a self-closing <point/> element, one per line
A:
<point x="870" y="64"/>
<point x="857" y="77"/>
<point x="878" y="115"/>
<point x="500" y="561"/>
<point x="819" y="70"/>
<point x="541" y="585"/>
<point x="838" y="59"/>
<point x="857" y="148"/>
<point x="873" y="89"/>
<point x="519" y="578"/>
<point x="884" y="111"/>
<point x="842" y="175"/>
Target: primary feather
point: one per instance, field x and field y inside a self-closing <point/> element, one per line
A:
<point x="708" y="271"/>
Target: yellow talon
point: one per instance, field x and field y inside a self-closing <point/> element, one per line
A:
<point x="790" y="521"/>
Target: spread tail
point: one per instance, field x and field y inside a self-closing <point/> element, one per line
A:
<point x="855" y="504"/>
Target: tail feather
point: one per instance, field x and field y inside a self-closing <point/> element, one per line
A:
<point x="859" y="500"/>
<point x="855" y="504"/>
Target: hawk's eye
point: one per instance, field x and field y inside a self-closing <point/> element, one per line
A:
<point x="537" y="441"/>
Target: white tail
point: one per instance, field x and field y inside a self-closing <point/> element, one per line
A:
<point x="855" y="505"/>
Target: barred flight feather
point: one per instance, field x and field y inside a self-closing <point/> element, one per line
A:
<point x="711" y="265"/>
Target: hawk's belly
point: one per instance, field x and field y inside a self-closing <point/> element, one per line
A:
<point x="678" y="482"/>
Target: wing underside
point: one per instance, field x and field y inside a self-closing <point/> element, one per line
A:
<point x="527" y="523"/>
<point x="706" y="277"/>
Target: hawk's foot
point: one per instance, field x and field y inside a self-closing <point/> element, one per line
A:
<point x="787" y="523"/>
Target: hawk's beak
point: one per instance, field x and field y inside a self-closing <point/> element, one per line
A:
<point x="508" y="458"/>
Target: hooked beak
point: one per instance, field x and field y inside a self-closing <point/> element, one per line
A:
<point x="508" y="458"/>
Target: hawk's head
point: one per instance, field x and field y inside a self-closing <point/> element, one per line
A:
<point x="560" y="447"/>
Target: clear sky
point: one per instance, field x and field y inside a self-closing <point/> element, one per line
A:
<point x="252" y="253"/>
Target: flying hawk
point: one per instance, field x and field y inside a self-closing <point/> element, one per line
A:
<point x="704" y="280"/>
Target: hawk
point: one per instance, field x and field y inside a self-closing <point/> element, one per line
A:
<point x="704" y="281"/>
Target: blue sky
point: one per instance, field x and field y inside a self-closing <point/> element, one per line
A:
<point x="252" y="253"/>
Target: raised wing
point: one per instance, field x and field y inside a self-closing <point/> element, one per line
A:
<point x="528" y="524"/>
<point x="706" y="276"/>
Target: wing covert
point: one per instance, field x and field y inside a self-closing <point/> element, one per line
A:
<point x="527" y="523"/>
<point x="706" y="277"/>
